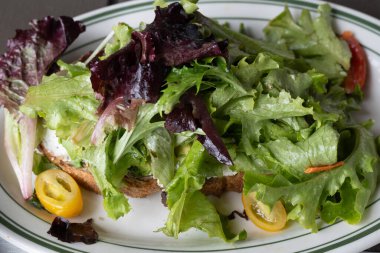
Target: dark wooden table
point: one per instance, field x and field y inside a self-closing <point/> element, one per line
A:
<point x="17" y="14"/>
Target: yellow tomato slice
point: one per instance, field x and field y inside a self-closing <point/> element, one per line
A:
<point x="59" y="193"/>
<point x="261" y="215"/>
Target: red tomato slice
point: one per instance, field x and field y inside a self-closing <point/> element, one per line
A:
<point x="357" y="73"/>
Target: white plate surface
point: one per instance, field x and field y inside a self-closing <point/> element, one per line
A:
<point x="26" y="227"/>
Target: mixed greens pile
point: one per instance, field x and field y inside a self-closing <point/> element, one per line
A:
<point x="185" y="98"/>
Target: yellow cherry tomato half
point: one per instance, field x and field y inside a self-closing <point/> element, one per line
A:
<point x="59" y="193"/>
<point x="261" y="215"/>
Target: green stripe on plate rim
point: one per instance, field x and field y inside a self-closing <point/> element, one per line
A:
<point x="22" y="207"/>
<point x="27" y="234"/>
<point x="136" y="7"/>
<point x="15" y="227"/>
<point x="364" y="231"/>
<point x="116" y="13"/>
<point x="131" y="8"/>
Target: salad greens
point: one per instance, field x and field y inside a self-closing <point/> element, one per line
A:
<point x="188" y="206"/>
<point x="160" y="145"/>
<point x="100" y="165"/>
<point x="122" y="36"/>
<point x="314" y="40"/>
<point x="30" y="55"/>
<point x="62" y="96"/>
<point x="185" y="98"/>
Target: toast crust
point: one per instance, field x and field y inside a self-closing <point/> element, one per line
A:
<point x="143" y="186"/>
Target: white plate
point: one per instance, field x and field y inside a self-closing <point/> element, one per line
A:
<point x="26" y="227"/>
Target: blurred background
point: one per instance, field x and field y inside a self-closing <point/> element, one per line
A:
<point x="17" y="13"/>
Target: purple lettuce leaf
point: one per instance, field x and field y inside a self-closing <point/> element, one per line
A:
<point x="29" y="56"/>
<point x="191" y="113"/>
<point x="31" y="53"/>
<point x="177" y="40"/>
<point x="138" y="70"/>
<point x="129" y="74"/>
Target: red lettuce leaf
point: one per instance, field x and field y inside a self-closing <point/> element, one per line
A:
<point x="191" y="113"/>
<point x="31" y="53"/>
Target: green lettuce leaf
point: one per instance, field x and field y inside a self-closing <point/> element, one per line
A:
<point x="188" y="206"/>
<point x="67" y="103"/>
<point x="320" y="148"/>
<point x="268" y="107"/>
<point x="160" y="145"/>
<point x="342" y="192"/>
<point x="135" y="162"/>
<point x="314" y="40"/>
<point x="190" y="6"/>
<point x="42" y="163"/>
<point x="143" y="127"/>
<point x="288" y="159"/>
<point x="246" y="43"/>
<point x="178" y="82"/>
<point x="99" y="159"/>
<point x="121" y="37"/>
<point x="335" y="105"/>
<point x="255" y="114"/>
<point x="271" y="75"/>
<point x="250" y="74"/>
<point x="297" y="84"/>
<point x="293" y="128"/>
<point x="204" y="74"/>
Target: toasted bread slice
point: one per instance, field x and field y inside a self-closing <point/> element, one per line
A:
<point x="141" y="187"/>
